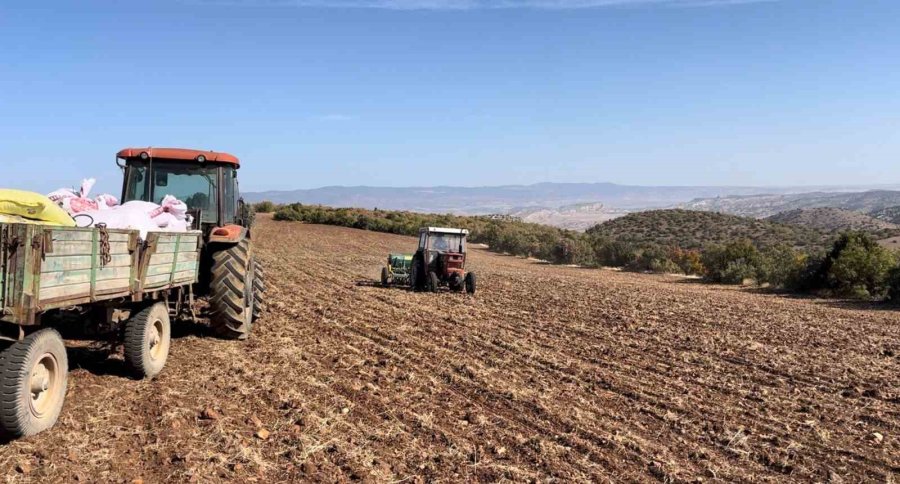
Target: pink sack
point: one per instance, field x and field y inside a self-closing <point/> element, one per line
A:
<point x="78" y="205"/>
<point x="119" y="218"/>
<point x="86" y="185"/>
<point x="106" y="201"/>
<point x="175" y="206"/>
<point x="59" y="195"/>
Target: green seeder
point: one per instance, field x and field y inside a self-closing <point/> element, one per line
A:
<point x="397" y="270"/>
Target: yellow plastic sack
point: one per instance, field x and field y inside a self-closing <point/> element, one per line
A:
<point x="15" y="219"/>
<point x="33" y="206"/>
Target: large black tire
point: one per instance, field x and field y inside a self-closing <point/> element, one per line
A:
<point x="33" y="375"/>
<point x="148" y="336"/>
<point x="470" y="283"/>
<point x="231" y="298"/>
<point x="434" y="283"/>
<point x="259" y="291"/>
<point x="414" y="277"/>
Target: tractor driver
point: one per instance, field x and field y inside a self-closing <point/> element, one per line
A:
<point x="440" y="243"/>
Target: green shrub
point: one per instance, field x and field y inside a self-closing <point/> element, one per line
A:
<point x="733" y="263"/>
<point x="664" y="266"/>
<point x="653" y="259"/>
<point x="615" y="254"/>
<point x="739" y="272"/>
<point x="783" y="267"/>
<point x="264" y="207"/>
<point x="894" y="285"/>
<point x="689" y="261"/>
<point x="858" y="267"/>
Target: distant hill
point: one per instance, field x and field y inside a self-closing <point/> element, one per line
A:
<point x="579" y="217"/>
<point x="615" y="199"/>
<point x="888" y="214"/>
<point x="836" y="220"/>
<point x="697" y="229"/>
<point x="762" y="206"/>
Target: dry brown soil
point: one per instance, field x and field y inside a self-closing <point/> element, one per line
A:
<point x="548" y="373"/>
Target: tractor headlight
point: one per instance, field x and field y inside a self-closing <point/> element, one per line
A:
<point x="144" y="155"/>
<point x="201" y="159"/>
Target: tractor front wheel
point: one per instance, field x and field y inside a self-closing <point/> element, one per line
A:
<point x="470" y="283"/>
<point x="231" y="300"/>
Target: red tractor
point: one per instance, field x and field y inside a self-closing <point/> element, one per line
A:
<point x="207" y="182"/>
<point x="441" y="261"/>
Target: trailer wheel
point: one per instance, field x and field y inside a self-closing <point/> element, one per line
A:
<point x="385" y="277"/>
<point x="33" y="383"/>
<point x="148" y="335"/>
<point x="470" y="283"/>
<point x="433" y="282"/>
<point x="231" y="298"/>
<point x="259" y="290"/>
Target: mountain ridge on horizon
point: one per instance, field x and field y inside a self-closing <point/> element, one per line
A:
<point x="504" y="198"/>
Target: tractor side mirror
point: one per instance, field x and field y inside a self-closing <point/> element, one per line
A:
<point x="162" y="179"/>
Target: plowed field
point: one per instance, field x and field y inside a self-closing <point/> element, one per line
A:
<point x="548" y="373"/>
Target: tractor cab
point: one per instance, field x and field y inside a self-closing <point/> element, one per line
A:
<point x="205" y="180"/>
<point x="440" y="260"/>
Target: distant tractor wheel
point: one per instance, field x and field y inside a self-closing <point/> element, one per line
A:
<point x="33" y="383"/>
<point x="148" y="335"/>
<point x="385" y="277"/>
<point x="231" y="298"/>
<point x="470" y="283"/>
<point x="259" y="291"/>
<point x="433" y="282"/>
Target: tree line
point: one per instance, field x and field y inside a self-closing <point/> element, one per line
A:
<point x="853" y="265"/>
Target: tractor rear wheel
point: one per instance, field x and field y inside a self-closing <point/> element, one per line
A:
<point x="414" y="277"/>
<point x="259" y="290"/>
<point x="231" y="300"/>
<point x="470" y="283"/>
<point x="433" y="282"/>
<point x="385" y="277"/>
<point x="33" y="383"/>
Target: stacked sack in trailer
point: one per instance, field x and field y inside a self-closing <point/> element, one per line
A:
<point x="21" y="207"/>
<point x="169" y="216"/>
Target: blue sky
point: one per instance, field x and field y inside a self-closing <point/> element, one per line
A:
<point x="461" y="92"/>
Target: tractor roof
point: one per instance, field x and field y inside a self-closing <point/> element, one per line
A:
<point x="179" y="154"/>
<point x="443" y="230"/>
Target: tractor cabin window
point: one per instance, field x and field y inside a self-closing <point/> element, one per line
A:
<point x="230" y="201"/>
<point x="446" y="243"/>
<point x="194" y="185"/>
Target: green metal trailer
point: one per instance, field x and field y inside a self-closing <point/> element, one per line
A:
<point x="47" y="269"/>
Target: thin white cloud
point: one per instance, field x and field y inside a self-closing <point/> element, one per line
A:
<point x="491" y="4"/>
